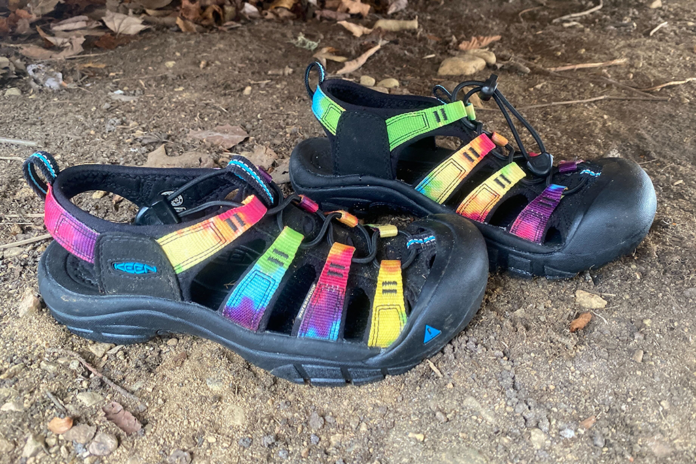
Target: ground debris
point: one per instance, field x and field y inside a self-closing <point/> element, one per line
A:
<point x="580" y="322"/>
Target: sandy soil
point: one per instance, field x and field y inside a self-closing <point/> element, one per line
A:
<point x="513" y="387"/>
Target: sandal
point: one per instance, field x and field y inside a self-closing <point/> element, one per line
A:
<point x="537" y="219"/>
<point x="221" y="254"/>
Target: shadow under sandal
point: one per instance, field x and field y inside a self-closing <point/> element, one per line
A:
<point x="537" y="219"/>
<point x="219" y="253"/>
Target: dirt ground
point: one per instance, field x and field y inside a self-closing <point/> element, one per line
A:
<point x="514" y="387"/>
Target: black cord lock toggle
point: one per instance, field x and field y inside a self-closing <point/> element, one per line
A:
<point x="540" y="165"/>
<point x="160" y="212"/>
<point x="489" y="87"/>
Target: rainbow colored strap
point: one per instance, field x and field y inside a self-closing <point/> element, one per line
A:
<point x="479" y="203"/>
<point x="406" y="126"/>
<point x="191" y="245"/>
<point x="249" y="299"/>
<point x="531" y="222"/>
<point x="327" y="111"/>
<point x="388" y="307"/>
<point x="321" y="317"/>
<point x="72" y="235"/>
<point x="439" y="184"/>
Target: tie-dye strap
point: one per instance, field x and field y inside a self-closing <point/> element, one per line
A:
<point x="327" y="111"/>
<point x="74" y="236"/>
<point x="191" y="245"/>
<point x="406" y="126"/>
<point x="249" y="299"/>
<point x="323" y="308"/>
<point x="441" y="182"/>
<point x="531" y="222"/>
<point x="388" y="308"/>
<point x="479" y="203"/>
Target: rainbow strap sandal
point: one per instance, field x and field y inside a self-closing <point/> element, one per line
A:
<point x="537" y="218"/>
<point x="219" y="253"/>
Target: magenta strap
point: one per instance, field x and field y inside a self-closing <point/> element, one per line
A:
<point x="74" y="236"/>
<point x="531" y="222"/>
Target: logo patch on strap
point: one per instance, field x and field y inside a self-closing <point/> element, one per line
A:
<point x="430" y="333"/>
<point x="135" y="268"/>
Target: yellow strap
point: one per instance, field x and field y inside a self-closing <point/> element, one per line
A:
<point x="385" y="230"/>
<point x="388" y="308"/>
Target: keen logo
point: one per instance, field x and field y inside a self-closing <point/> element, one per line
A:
<point x="135" y="268"/>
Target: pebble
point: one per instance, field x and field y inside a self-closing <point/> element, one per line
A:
<point x="13" y="406"/>
<point x="537" y="438"/>
<point x="268" y="441"/>
<point x="638" y="356"/>
<point x="389" y="83"/>
<point x="82" y="433"/>
<point x="655" y="4"/>
<point x="99" y="349"/>
<point x="598" y="440"/>
<point x="567" y="433"/>
<point x="417" y="436"/>
<point x="12" y="252"/>
<point x="690" y="292"/>
<point x="179" y="457"/>
<point x="367" y="81"/>
<point x="33" y="446"/>
<point x="247" y="90"/>
<point x="99" y="194"/>
<point x="245" y="442"/>
<point x="172" y="342"/>
<point x="314" y="439"/>
<point x="170" y="64"/>
<point x="589" y="300"/>
<point x="440" y="417"/>
<point x="90" y="398"/>
<point x="103" y="444"/>
<point x="6" y="447"/>
<point x="461" y="65"/>
<point x="283" y="453"/>
<point x="316" y="421"/>
<point x="215" y="384"/>
<point x="30" y="303"/>
<point x="13" y="92"/>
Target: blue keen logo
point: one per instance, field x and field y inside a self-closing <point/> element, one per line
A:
<point x="430" y="333"/>
<point x="135" y="268"/>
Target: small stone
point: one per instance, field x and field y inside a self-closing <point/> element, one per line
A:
<point x="314" y="439"/>
<point x="89" y="399"/>
<point x="417" y="436"/>
<point x="367" y="81"/>
<point x="655" y="4"/>
<point x="441" y="417"/>
<point x="214" y="384"/>
<point x="588" y="423"/>
<point x="100" y="349"/>
<point x="6" y="447"/>
<point x="13" y="406"/>
<point x="82" y="433"/>
<point x="305" y="453"/>
<point x="316" y="421"/>
<point x="283" y="453"/>
<point x="247" y="90"/>
<point x="567" y="433"/>
<point x="30" y="303"/>
<point x="99" y="194"/>
<point x="690" y="292"/>
<point x="461" y="65"/>
<point x="49" y="367"/>
<point x="647" y="322"/>
<point x="389" y="83"/>
<point x="245" y="442"/>
<point x="485" y="55"/>
<point x="13" y="92"/>
<point x="51" y="441"/>
<point x="638" y="356"/>
<point x="665" y="405"/>
<point x="12" y="371"/>
<point x="13" y="252"/>
<point x="34" y="444"/>
<point x="268" y="440"/>
<point x="59" y="425"/>
<point x="172" y="342"/>
<point x="589" y="300"/>
<point x="537" y="438"/>
<point x="179" y="457"/>
<point x="211" y="439"/>
<point x="170" y="64"/>
<point x="103" y="444"/>
<point x="363" y="427"/>
<point x="598" y="440"/>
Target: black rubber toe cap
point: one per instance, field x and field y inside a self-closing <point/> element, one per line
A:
<point x="621" y="210"/>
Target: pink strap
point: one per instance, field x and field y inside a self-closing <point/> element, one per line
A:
<point x="531" y="222"/>
<point x="74" y="236"/>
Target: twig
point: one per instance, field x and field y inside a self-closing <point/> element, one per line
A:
<point x="106" y="380"/>
<point x="435" y="369"/>
<point x="600" y="316"/>
<point x="660" y="26"/>
<point x="580" y="14"/>
<point x="18" y="142"/>
<point x="57" y="402"/>
<point x="25" y="242"/>
<point x="575" y="67"/>
<point x="11" y="158"/>
<point x="623" y="86"/>
<point x="669" y="84"/>
<point x="29" y="215"/>
<point x="590" y="100"/>
<point x="519" y="15"/>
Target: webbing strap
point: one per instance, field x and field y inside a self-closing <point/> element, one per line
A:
<point x="406" y="126"/>
<point x="439" y="184"/>
<point x="531" y="222"/>
<point x="72" y="235"/>
<point x="326" y="110"/>
<point x="249" y="299"/>
<point x="189" y="246"/>
<point x="321" y="317"/>
<point x="388" y="308"/>
<point x="479" y="203"/>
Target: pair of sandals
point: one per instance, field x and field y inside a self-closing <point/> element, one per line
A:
<point x="316" y="296"/>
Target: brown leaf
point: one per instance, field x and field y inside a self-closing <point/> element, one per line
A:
<point x="396" y="25"/>
<point x="122" y="418"/>
<point x="478" y="42"/>
<point x="123" y="24"/>
<point x="60" y="426"/>
<point x="354" y="7"/>
<point x="190" y="159"/>
<point x="77" y="22"/>
<point x="354" y="65"/>
<point x="4" y="26"/>
<point x="588" y="423"/>
<point x="185" y="25"/>
<point x="287" y="4"/>
<point x="356" y="29"/>
<point x="581" y="321"/>
<point x="225" y="136"/>
<point x="262" y="156"/>
<point x="327" y="53"/>
<point x="212" y="15"/>
<point x="190" y="11"/>
<point x="71" y="48"/>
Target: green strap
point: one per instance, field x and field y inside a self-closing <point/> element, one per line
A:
<point x="326" y="110"/>
<point x="407" y="126"/>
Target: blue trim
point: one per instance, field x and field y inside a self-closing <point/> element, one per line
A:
<point x="45" y="161"/>
<point x="252" y="174"/>
<point x="135" y="268"/>
<point x="430" y="334"/>
<point x="420" y="241"/>
<point x="36" y="184"/>
<point x="592" y="173"/>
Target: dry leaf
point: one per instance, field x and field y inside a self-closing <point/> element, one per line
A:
<point x="581" y="321"/>
<point x="77" y="22"/>
<point x="122" y="418"/>
<point x="41" y="8"/>
<point x="588" y="423"/>
<point x="190" y="159"/>
<point x="330" y="14"/>
<point x="355" y="64"/>
<point x="225" y="136"/>
<point x="185" y="25"/>
<point x="123" y="24"/>
<point x="109" y="41"/>
<point x="250" y="11"/>
<point x="395" y="25"/>
<point x="262" y="156"/>
<point x="60" y="426"/>
<point x="154" y="4"/>
<point x="354" y="7"/>
<point x="327" y="53"/>
<point x="478" y="42"/>
<point x="72" y="47"/>
<point x="4" y="26"/>
<point x="287" y="4"/>
<point x="396" y="6"/>
<point x="356" y="29"/>
<point x="212" y="15"/>
<point x="190" y="11"/>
